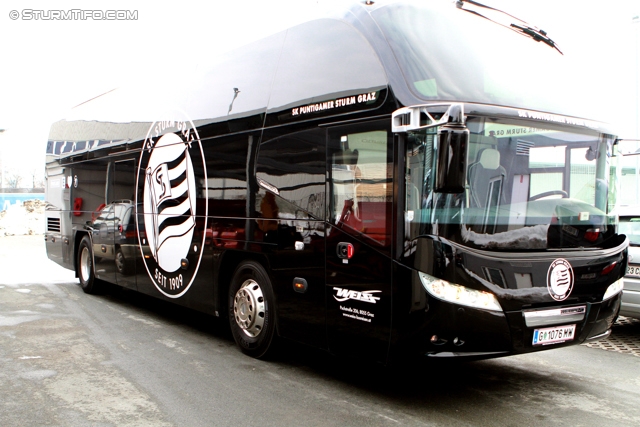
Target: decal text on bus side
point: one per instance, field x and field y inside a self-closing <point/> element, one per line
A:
<point x="335" y="103"/>
<point x="364" y="296"/>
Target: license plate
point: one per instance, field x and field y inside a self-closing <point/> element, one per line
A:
<point x="633" y="270"/>
<point x="570" y="230"/>
<point x="554" y="335"/>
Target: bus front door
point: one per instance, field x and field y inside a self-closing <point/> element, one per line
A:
<point x="358" y="240"/>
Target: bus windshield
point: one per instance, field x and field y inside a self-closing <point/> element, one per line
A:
<point x="462" y="57"/>
<point x="528" y="188"/>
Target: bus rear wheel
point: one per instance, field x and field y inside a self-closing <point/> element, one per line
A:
<point x="252" y="310"/>
<point x="85" y="268"/>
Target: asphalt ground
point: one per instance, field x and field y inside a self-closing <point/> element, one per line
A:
<point x="123" y="359"/>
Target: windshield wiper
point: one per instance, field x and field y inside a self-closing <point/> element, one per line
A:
<point x="524" y="29"/>
<point x="537" y="35"/>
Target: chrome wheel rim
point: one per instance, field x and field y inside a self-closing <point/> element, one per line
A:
<point x="249" y="308"/>
<point x="85" y="264"/>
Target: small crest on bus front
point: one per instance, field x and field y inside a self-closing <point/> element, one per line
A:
<point x="169" y="235"/>
<point x="560" y="279"/>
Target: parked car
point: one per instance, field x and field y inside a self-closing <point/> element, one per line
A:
<point x="630" y="225"/>
<point x="114" y="236"/>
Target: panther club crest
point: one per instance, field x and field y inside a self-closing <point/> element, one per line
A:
<point x="171" y="230"/>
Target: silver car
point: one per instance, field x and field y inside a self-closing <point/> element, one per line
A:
<point x="630" y="225"/>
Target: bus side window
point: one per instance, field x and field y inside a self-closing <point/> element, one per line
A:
<point x="361" y="181"/>
<point x="295" y="165"/>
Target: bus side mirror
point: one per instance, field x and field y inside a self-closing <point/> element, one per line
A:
<point x="453" y="139"/>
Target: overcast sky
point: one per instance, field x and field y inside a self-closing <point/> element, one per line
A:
<point x="48" y="66"/>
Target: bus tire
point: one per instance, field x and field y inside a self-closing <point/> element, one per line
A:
<point x="86" y="271"/>
<point x="252" y="310"/>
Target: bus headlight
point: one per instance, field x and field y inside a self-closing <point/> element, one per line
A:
<point x="614" y="289"/>
<point x="457" y="294"/>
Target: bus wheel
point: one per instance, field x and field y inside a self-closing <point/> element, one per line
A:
<point x="251" y="310"/>
<point x="86" y="272"/>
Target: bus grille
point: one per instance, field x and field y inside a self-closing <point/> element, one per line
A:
<point x="53" y="224"/>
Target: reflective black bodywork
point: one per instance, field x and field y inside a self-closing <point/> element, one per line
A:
<point x="283" y="153"/>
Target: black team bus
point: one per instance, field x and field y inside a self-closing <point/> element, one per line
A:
<point x="397" y="178"/>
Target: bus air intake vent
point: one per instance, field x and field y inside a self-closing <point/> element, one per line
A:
<point x="53" y="224"/>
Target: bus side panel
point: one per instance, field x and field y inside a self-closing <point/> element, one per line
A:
<point x="297" y="271"/>
<point x="358" y="299"/>
<point x="54" y="192"/>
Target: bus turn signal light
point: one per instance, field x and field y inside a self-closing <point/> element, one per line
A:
<point x="300" y="285"/>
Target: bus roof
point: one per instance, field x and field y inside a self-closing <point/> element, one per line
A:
<point x="347" y="62"/>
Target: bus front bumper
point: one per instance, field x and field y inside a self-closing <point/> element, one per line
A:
<point x="479" y="334"/>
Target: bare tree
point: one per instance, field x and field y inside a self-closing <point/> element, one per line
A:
<point x="13" y="180"/>
<point x="37" y="178"/>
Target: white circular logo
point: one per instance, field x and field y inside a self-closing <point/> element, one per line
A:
<point x="171" y="230"/>
<point x="560" y="279"/>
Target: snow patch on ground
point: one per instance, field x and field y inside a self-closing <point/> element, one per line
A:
<point x="23" y="219"/>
